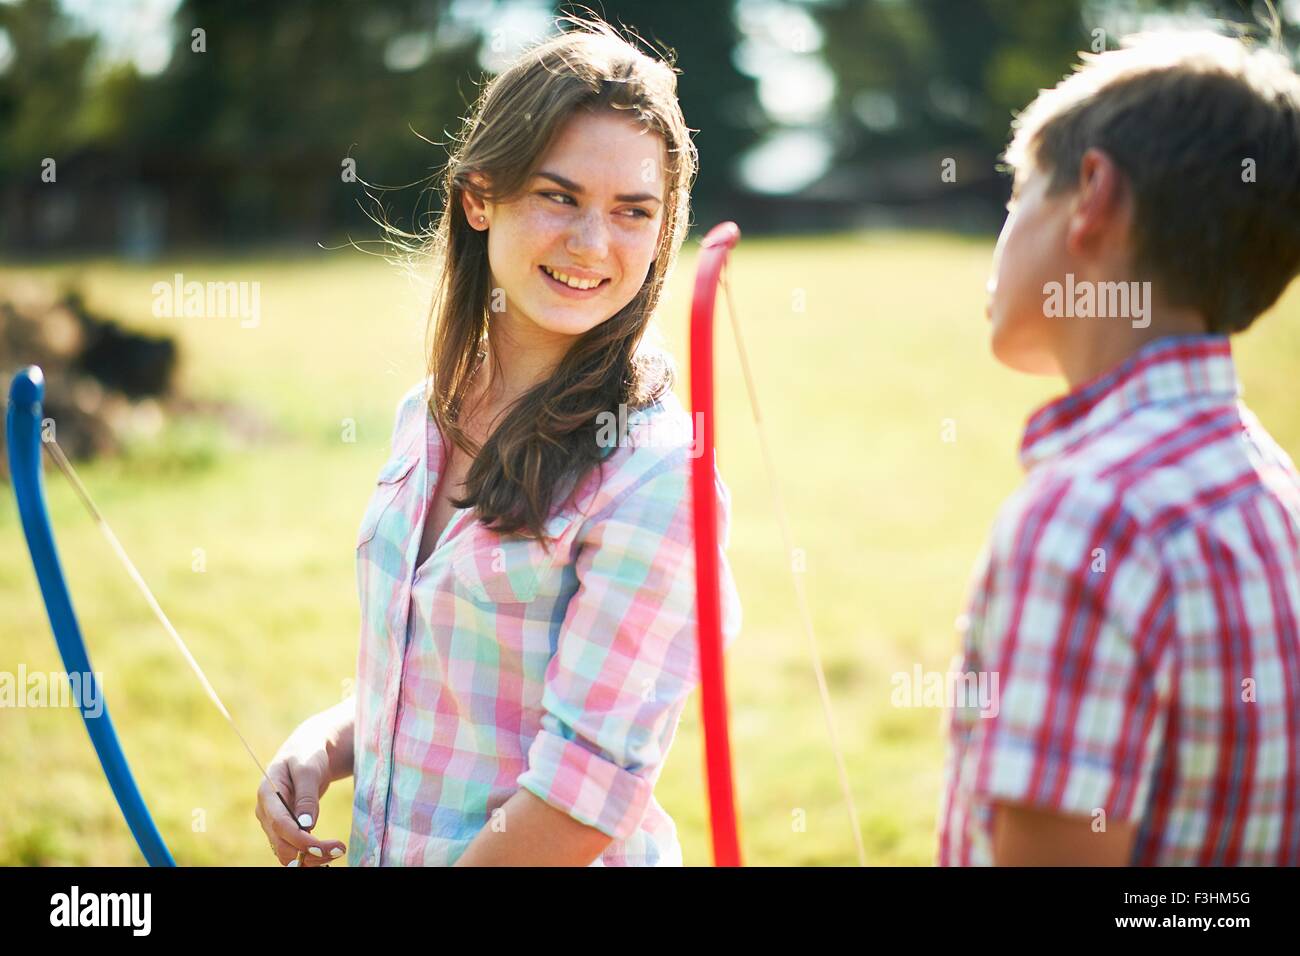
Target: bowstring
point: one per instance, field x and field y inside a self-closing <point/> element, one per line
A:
<point x="801" y="595"/>
<point x="65" y="466"/>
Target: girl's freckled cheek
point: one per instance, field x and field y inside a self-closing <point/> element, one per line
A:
<point x="540" y="224"/>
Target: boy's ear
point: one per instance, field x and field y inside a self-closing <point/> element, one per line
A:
<point x="1100" y="205"/>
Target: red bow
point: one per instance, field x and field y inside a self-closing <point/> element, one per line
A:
<point x="717" y="743"/>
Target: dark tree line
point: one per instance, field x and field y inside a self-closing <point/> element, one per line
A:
<point x="245" y="132"/>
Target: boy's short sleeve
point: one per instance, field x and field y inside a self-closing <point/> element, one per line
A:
<point x="1073" y="635"/>
<point x="626" y="658"/>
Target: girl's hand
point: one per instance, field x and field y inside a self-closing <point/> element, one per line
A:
<point x="301" y="772"/>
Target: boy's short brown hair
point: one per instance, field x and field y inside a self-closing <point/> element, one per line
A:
<point x="1207" y="130"/>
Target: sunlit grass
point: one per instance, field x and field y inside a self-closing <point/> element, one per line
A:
<point x="250" y="548"/>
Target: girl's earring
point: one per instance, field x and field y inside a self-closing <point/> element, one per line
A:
<point x="482" y="219"/>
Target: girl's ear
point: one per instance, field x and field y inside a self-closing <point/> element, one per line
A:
<point x="476" y="208"/>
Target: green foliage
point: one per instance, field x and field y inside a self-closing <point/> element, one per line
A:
<point x="247" y="136"/>
<point x="956" y="72"/>
<point x="41" y="93"/>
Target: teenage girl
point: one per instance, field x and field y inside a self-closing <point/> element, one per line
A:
<point x="525" y="566"/>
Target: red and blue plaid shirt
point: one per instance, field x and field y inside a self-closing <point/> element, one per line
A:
<point x="1138" y="603"/>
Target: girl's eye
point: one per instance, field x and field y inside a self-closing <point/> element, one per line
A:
<point x="564" y="199"/>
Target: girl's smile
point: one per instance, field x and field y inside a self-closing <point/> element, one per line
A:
<point x="573" y="283"/>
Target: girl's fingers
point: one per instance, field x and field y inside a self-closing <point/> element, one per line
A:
<point x="314" y="852"/>
<point x="288" y="830"/>
<point x="332" y="851"/>
<point x="293" y="845"/>
<point x="284" y="852"/>
<point x="290" y="844"/>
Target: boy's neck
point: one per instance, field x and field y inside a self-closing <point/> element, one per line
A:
<point x="1090" y="347"/>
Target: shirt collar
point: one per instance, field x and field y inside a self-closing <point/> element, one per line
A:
<point x="1171" y="369"/>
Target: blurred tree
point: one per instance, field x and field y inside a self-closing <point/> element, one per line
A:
<point x="42" y="90"/>
<point x="926" y="74"/>
<point x="913" y="76"/>
<point x="271" y="98"/>
<point x="718" y="100"/>
<point x="244" y="132"/>
<point x="1274" y="19"/>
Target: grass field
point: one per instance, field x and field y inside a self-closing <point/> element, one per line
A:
<point x="859" y="389"/>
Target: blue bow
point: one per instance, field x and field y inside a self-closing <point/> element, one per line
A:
<point x="23" y="432"/>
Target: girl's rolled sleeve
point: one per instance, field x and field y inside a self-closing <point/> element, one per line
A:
<point x="626" y="658"/>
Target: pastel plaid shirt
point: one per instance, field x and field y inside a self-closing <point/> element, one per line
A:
<point x="497" y="665"/>
<point x="1138" y="601"/>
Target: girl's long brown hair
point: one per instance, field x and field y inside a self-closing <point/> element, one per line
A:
<point x="548" y="438"/>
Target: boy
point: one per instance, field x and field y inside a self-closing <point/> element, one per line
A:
<point x="1139" y="598"/>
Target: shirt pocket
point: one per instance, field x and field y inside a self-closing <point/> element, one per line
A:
<point x="510" y="569"/>
<point x="389" y="484"/>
